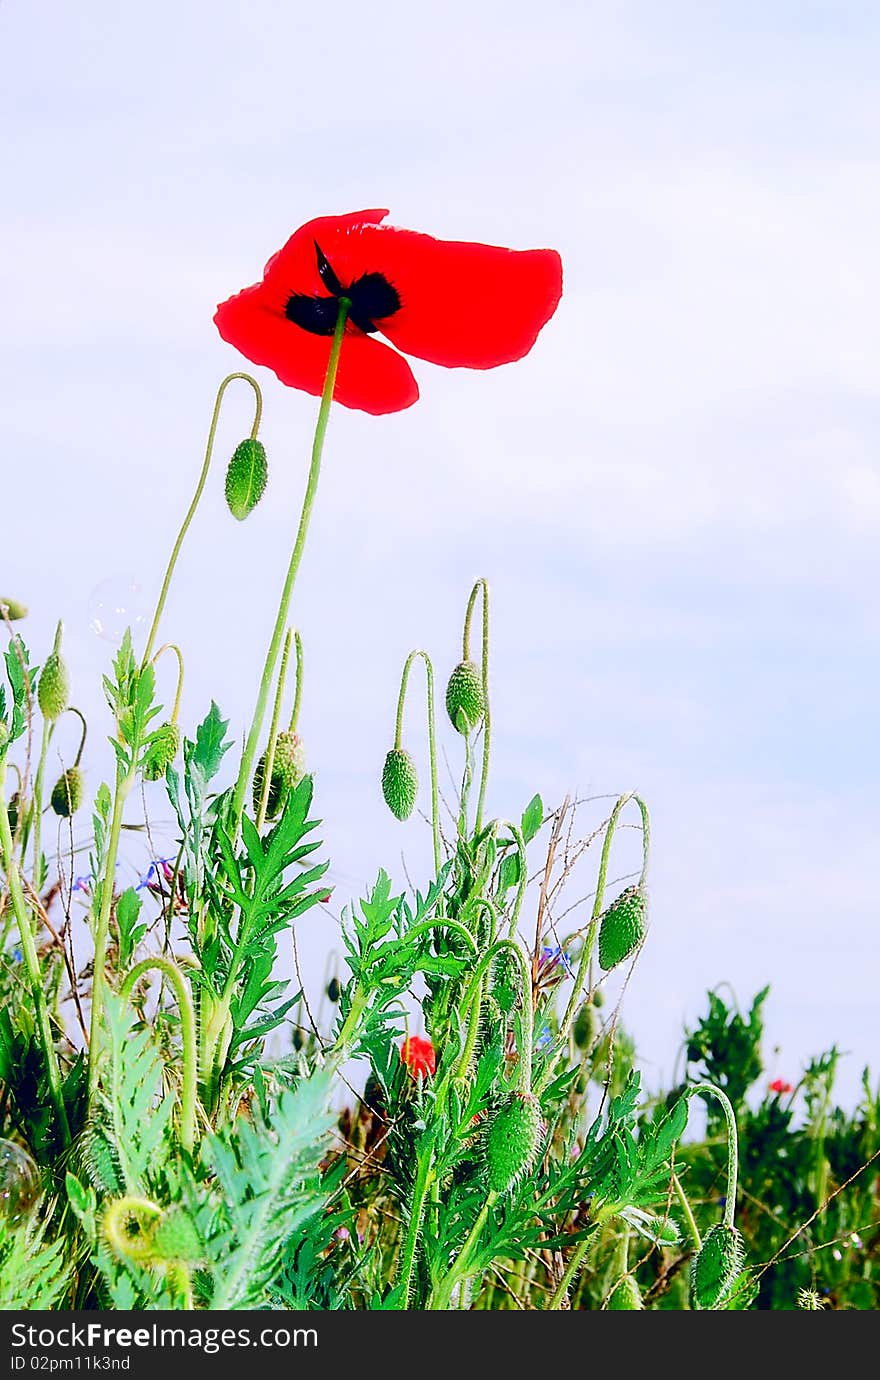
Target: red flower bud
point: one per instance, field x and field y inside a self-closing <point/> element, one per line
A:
<point x="417" y="1053"/>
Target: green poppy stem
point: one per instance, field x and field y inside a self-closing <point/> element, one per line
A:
<point x="247" y="760"/>
<point x="432" y="740"/>
<point x="173" y="647"/>
<point x="732" y="1145"/>
<point x="31" y="960"/>
<point x="273" y="733"/>
<point x="480" y="586"/>
<point x="191" y="511"/>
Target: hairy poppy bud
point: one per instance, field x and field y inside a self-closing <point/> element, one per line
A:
<point x="246" y="478"/>
<point x="14" y="806"/>
<point x="290" y="759"/>
<point x="53" y="690"/>
<point x="176" y="1237"/>
<point x="276" y="789"/>
<point x="586" y="1026"/>
<point x="67" y="793"/>
<point x="333" y="990"/>
<point x="465" y="704"/>
<point x="625" y="1295"/>
<point x="513" y="1140"/>
<point x="716" y="1265"/>
<point x="162" y="752"/>
<point x="400" y="783"/>
<point x="12" y="609"/>
<point x="506" y="981"/>
<point x="622" y="927"/>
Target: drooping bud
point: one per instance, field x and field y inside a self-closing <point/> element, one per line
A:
<point x="716" y="1265"/>
<point x="246" y="478"/>
<point x="14" y="807"/>
<point x="625" y="1295"/>
<point x="12" y="609"/>
<point x="290" y="759"/>
<point x="513" y="1140"/>
<point x="276" y="789"/>
<point x="400" y="783"/>
<point x="465" y="703"/>
<point x="506" y="981"/>
<point x="162" y="752"/>
<point x="68" y="792"/>
<point x="622" y="927"/>
<point x="53" y="690"/>
<point x="176" y="1237"/>
<point x="333" y="990"/>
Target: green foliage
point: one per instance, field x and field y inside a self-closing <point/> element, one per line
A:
<point x="34" y="1273"/>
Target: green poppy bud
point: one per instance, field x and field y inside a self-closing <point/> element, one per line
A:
<point x="333" y="990"/>
<point x="400" y="783"/>
<point x="12" y="609"/>
<point x="162" y="752"/>
<point x="276" y="789"/>
<point x="465" y="703"/>
<point x="246" y="478"/>
<point x="67" y="793"/>
<point x="625" y="1295"/>
<point x="586" y="1026"/>
<point x="176" y="1237"/>
<point x="290" y="759"/>
<point x="513" y="1140"/>
<point x="13" y="809"/>
<point x="716" y="1265"/>
<point x="506" y="981"/>
<point x="622" y="927"/>
<point x="53" y="690"/>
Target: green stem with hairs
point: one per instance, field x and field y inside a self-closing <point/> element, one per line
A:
<point x="424" y="1176"/>
<point x="190" y="513"/>
<point x="298" y="685"/>
<point x="247" y="760"/>
<point x="685" y="1206"/>
<point x="432" y="740"/>
<point x="31" y="960"/>
<point x="37" y="803"/>
<point x="470" y="1003"/>
<point x="732" y="1144"/>
<point x="175" y="979"/>
<point x="273" y="734"/>
<point x="459" y="1271"/>
<point x="561" y="1292"/>
<point x="481" y="586"/>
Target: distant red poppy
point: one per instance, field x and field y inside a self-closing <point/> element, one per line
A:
<point x="779" y="1085"/>
<point x="463" y="305"/>
<point x="417" y="1053"/>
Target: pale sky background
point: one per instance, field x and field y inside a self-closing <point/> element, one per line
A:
<point x="676" y="496"/>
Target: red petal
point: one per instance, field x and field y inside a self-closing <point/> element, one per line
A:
<point x="371" y="376"/>
<point x="465" y="305"/>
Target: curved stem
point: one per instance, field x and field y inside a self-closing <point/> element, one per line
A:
<point x="247" y="760"/>
<point x="598" y="903"/>
<point x="273" y="734"/>
<point x="190" y="513"/>
<point x="432" y="740"/>
<point x="173" y="647"/>
<point x="528" y="1019"/>
<point x="31" y="960"/>
<point x="82" y="738"/>
<point x="37" y="802"/>
<point x="174" y="977"/>
<point x="298" y="685"/>
<point x="732" y="1145"/>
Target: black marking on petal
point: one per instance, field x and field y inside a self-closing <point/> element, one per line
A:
<point x="372" y="298"/>
<point x="315" y="314"/>
<point x="328" y="277"/>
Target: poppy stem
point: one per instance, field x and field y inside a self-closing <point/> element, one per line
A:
<point x="481" y="586"/>
<point x="247" y="760"/>
<point x="173" y="647"/>
<point x="173" y="976"/>
<point x="432" y="740"/>
<point x="191" y="510"/>
<point x="269" y="761"/>
<point x="709" y="1089"/>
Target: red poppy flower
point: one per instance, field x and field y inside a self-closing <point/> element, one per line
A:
<point x="780" y="1086"/>
<point x="417" y="1053"/>
<point x="463" y="305"/>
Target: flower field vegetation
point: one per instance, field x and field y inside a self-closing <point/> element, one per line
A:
<point x="462" y="1124"/>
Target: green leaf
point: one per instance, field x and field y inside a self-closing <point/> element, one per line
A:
<point x="533" y="818"/>
<point x="508" y="873"/>
<point x="128" y="908"/>
<point x="210" y="748"/>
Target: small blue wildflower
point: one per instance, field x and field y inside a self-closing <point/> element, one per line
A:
<point x="17" y="955"/>
<point x="545" y="1038"/>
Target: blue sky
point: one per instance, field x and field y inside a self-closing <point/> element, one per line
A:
<point x="676" y="496"/>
